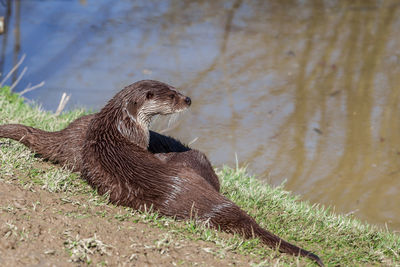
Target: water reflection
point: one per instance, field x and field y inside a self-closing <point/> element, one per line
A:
<point x="302" y="91"/>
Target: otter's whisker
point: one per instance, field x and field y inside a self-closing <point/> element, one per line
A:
<point x="193" y="141"/>
<point x="174" y="117"/>
<point x="154" y="121"/>
<point x="171" y="123"/>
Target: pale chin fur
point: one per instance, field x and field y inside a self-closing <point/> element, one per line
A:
<point x="148" y="121"/>
<point x="163" y="123"/>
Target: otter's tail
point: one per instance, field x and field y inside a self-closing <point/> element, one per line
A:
<point x="18" y="132"/>
<point x="284" y="246"/>
<point x="231" y="218"/>
<point x="35" y="139"/>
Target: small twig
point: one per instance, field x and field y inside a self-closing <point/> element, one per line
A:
<point x="63" y="102"/>
<point x="12" y="70"/>
<point x="18" y="79"/>
<point x="237" y="161"/>
<point x="394" y="252"/>
<point x="351" y="212"/>
<point x="1" y="24"/>
<point x="31" y="88"/>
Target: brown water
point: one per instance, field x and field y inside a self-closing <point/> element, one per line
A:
<point x="306" y="92"/>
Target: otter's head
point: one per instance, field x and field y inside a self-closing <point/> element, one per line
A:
<point x="136" y="104"/>
<point x="147" y="98"/>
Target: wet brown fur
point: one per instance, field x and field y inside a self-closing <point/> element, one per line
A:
<point x="116" y="161"/>
<point x="64" y="147"/>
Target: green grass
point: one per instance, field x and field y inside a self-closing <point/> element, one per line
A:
<point x="337" y="239"/>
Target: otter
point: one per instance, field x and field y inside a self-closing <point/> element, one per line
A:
<point x="64" y="147"/>
<point x="116" y="161"/>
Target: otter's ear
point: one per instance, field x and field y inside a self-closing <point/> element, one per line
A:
<point x="132" y="108"/>
<point x="149" y="95"/>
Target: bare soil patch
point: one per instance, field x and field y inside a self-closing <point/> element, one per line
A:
<point x="56" y="229"/>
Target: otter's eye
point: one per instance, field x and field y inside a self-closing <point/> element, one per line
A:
<point x="149" y="95"/>
<point x="172" y="96"/>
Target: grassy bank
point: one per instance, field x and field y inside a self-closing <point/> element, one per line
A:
<point x="337" y="239"/>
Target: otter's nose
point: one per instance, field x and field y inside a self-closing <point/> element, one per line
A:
<point x="188" y="101"/>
